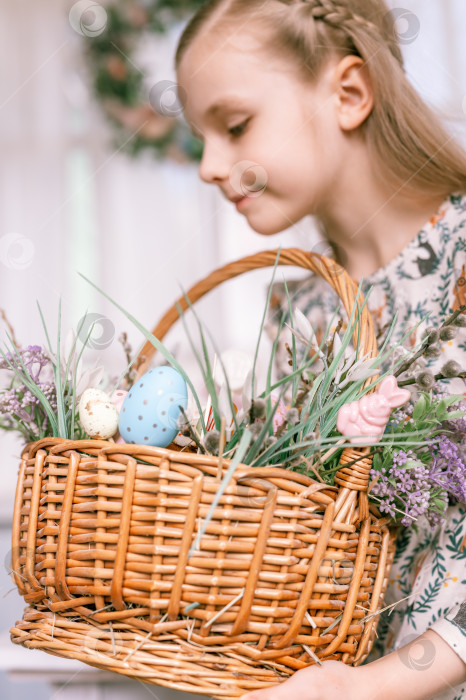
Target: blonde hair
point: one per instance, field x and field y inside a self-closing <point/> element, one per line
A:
<point x="402" y="133"/>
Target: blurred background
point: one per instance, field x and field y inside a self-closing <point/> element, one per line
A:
<point x="98" y="177"/>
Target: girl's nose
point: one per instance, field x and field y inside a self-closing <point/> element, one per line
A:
<point x="214" y="164"/>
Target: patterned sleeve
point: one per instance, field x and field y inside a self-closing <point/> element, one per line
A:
<point x="452" y="628"/>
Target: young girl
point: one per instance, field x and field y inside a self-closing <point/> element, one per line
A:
<point x="304" y="109"/>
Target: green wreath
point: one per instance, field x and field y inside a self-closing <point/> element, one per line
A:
<point x="111" y="33"/>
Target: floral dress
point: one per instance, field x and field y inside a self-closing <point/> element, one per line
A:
<point x="427" y="278"/>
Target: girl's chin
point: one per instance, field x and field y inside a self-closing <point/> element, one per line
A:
<point x="267" y="219"/>
<point x="267" y="228"/>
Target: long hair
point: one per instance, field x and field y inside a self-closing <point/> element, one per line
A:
<point x="404" y="136"/>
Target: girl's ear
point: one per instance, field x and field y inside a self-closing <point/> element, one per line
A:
<point x="353" y="92"/>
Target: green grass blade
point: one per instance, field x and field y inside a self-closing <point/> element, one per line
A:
<point x="261" y="328"/>
<point x="208" y="373"/>
<point x="255" y="447"/>
<point x="293" y="347"/>
<point x="58" y="383"/>
<point x="44" y="325"/>
<point x="72" y="412"/>
<point x="268" y="389"/>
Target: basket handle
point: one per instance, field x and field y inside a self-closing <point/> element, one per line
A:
<point x="326" y="268"/>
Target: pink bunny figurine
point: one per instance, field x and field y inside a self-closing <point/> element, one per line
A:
<point x="118" y="397"/>
<point x="369" y="415"/>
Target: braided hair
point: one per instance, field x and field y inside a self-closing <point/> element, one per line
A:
<point x="404" y="136"/>
<point x="341" y="17"/>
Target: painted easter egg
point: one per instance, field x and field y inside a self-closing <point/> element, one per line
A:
<point x="150" y="410"/>
<point x="98" y="414"/>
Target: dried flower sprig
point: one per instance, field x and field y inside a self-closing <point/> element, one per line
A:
<point x="20" y="405"/>
<point x="131" y="374"/>
<point x="430" y="348"/>
<point x="426" y="379"/>
<point x="11" y="331"/>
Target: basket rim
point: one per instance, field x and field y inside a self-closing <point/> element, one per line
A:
<point x="208" y="462"/>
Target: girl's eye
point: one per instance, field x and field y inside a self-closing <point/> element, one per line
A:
<point x="238" y="129"/>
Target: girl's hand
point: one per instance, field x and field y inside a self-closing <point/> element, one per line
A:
<point x="418" y="671"/>
<point x="331" y="681"/>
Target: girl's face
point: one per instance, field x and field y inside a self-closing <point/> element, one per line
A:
<point x="266" y="133"/>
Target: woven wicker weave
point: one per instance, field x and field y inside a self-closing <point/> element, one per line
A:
<point x="287" y="570"/>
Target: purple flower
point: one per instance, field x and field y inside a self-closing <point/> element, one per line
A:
<point x="411" y="488"/>
<point x="20" y="408"/>
<point x="402" y="415"/>
<point x="405" y="489"/>
<point x="448" y="469"/>
<point x="421" y="485"/>
<point x="401" y="457"/>
<point x="457" y="425"/>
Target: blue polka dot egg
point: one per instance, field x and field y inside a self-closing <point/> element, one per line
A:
<point x="151" y="408"/>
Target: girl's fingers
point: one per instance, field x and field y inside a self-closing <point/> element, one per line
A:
<point x="275" y="692"/>
<point x="272" y="693"/>
<point x="296" y="687"/>
<point x="332" y="681"/>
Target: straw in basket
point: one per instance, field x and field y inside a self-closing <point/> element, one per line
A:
<point x="289" y="571"/>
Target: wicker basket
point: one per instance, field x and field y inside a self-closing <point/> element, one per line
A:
<point x="287" y="572"/>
